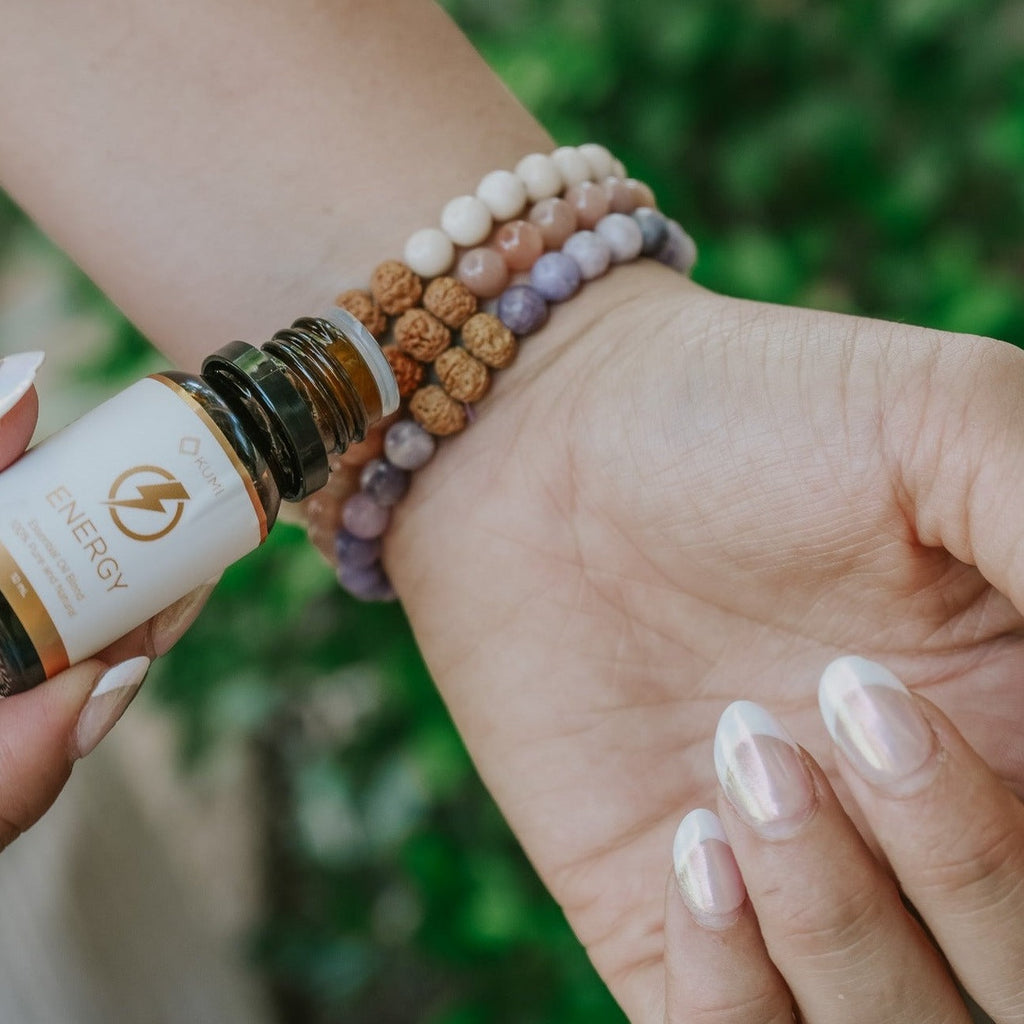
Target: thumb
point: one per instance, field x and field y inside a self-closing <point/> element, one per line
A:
<point x="956" y="429"/>
<point x="45" y="730"/>
<point x="19" y="404"/>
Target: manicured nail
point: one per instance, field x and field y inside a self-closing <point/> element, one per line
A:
<point x="708" y="876"/>
<point x="874" y="720"/>
<point x="17" y="372"/>
<point x="761" y="770"/>
<point x="170" y="625"/>
<point x="112" y="693"/>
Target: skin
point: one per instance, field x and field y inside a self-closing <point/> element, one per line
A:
<point x="808" y="488"/>
<point x="686" y="498"/>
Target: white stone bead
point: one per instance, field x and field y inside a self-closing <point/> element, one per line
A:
<point x="540" y="175"/>
<point x="590" y="251"/>
<point x="618" y="169"/>
<point x="429" y="252"/>
<point x="623" y="236"/>
<point x="599" y="159"/>
<point x="503" y="192"/>
<point x="571" y="162"/>
<point x="466" y="220"/>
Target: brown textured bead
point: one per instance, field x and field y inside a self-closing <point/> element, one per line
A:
<point x="408" y="371"/>
<point x="487" y="338"/>
<point x="449" y="300"/>
<point x="365" y="309"/>
<point x="437" y="412"/>
<point x="395" y="287"/>
<point x="464" y="378"/>
<point x="421" y="335"/>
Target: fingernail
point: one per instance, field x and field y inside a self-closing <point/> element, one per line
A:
<point x="112" y="693"/>
<point x="761" y="770"/>
<point x="17" y="372"/>
<point x="874" y="720"/>
<point x="169" y="625"/>
<point x="707" y="874"/>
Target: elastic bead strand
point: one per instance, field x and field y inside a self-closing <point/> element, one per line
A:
<point x="584" y="215"/>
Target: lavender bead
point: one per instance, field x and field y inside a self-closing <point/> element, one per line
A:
<point x="556" y="276"/>
<point x="679" y="250"/>
<point x="383" y="482"/>
<point x="354" y="552"/>
<point x="408" y="446"/>
<point x="653" y="229"/>
<point x="367" y="584"/>
<point x="363" y="517"/>
<point x="590" y="253"/>
<point x="623" y="236"/>
<point x="522" y="309"/>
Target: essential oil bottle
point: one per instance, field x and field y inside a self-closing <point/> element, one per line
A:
<point x="167" y="483"/>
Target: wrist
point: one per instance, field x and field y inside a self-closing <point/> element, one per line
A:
<point x="579" y="367"/>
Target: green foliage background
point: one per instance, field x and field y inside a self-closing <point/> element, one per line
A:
<point x="849" y="154"/>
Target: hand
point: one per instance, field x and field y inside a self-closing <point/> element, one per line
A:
<point x="45" y="730"/>
<point x="674" y="500"/>
<point x="824" y="932"/>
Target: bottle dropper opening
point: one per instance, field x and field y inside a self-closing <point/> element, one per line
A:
<point x="374" y="358"/>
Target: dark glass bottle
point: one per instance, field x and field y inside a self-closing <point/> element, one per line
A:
<point x="167" y="483"/>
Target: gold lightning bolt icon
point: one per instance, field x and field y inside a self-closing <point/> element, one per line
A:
<point x="152" y="496"/>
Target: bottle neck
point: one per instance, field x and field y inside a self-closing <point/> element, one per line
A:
<point x="311" y="391"/>
<point x="334" y="382"/>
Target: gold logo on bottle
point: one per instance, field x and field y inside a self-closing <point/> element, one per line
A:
<point x="146" y="502"/>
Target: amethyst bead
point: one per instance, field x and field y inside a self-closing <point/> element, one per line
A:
<point x="363" y="517"/>
<point x="522" y="309"/>
<point x="367" y="584"/>
<point x="408" y="446"/>
<point x="354" y="552"/>
<point x="679" y="250"/>
<point x="590" y="253"/>
<point x="556" y="276"/>
<point x="623" y="236"/>
<point x="383" y="482"/>
<point x="653" y="229"/>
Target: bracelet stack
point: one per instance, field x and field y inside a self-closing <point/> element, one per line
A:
<point x="456" y="307"/>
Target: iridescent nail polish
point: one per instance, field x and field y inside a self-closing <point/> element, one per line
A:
<point x="761" y="769"/>
<point x="874" y="720"/>
<point x="17" y="373"/>
<point x="706" y="871"/>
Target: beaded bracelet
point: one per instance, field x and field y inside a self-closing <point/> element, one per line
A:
<point x="586" y="216"/>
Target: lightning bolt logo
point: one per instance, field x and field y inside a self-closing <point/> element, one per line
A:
<point x="165" y="497"/>
<point x="152" y="496"/>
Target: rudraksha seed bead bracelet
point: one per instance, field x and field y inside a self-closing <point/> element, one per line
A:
<point x="457" y="306"/>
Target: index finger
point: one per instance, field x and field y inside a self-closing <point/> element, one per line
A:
<point x="953" y="833"/>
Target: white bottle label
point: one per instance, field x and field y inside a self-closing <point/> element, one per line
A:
<point x="117" y="516"/>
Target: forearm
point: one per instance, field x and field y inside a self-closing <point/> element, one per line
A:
<point x="219" y="167"/>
